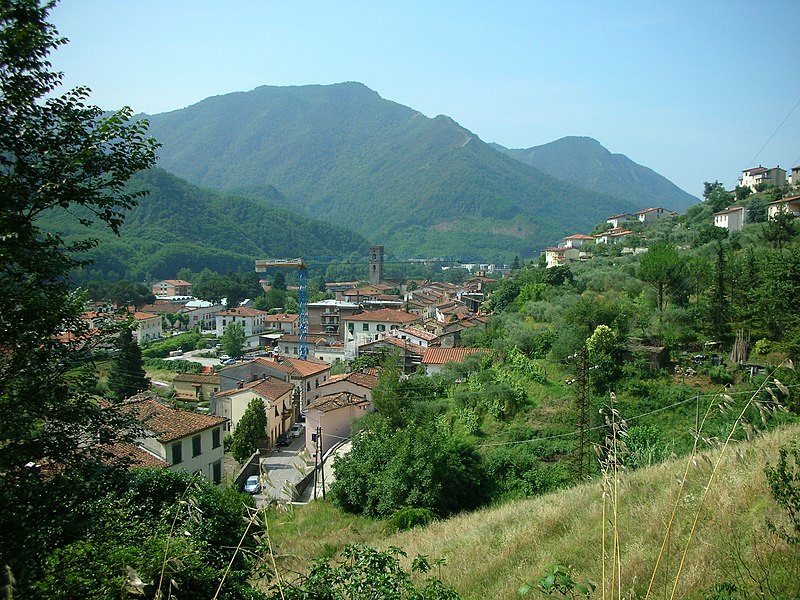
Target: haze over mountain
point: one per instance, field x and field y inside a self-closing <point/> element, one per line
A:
<point x="343" y="154"/>
<point x="584" y="162"/>
<point x="181" y="225"/>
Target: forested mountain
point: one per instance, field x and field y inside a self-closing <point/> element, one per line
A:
<point x="341" y="153"/>
<point x="584" y="162"/>
<point x="181" y="225"/>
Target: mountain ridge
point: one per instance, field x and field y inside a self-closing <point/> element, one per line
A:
<point x="421" y="186"/>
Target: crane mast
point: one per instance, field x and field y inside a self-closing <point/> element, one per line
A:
<point x="293" y="263"/>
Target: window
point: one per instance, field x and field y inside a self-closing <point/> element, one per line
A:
<point x="197" y="446"/>
<point x="351" y="327"/>
<point x="381" y="327"/>
<point x="177" y="453"/>
<point x="365" y="327"/>
<point x="215" y="438"/>
<point x="216" y="472"/>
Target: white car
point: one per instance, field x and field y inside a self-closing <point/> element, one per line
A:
<point x="297" y="430"/>
<point x="252" y="485"/>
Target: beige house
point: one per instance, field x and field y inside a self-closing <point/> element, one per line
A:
<point x="332" y="417"/>
<point x="172" y="287"/>
<point x="148" y="327"/>
<point x="367" y="326"/>
<point x="616" y="220"/>
<point x="252" y="319"/>
<point x="575" y="241"/>
<point x="760" y="175"/>
<point x="558" y="257"/>
<point x="613" y="236"/>
<point x="278" y="404"/>
<point x="198" y="387"/>
<point x="731" y="218"/>
<point x="319" y="347"/>
<point x="358" y="383"/>
<point x="650" y="215"/>
<point x="282" y="322"/>
<point x="791" y="204"/>
<point x="184" y="440"/>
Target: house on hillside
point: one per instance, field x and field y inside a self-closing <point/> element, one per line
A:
<point x="332" y="417"/>
<point x="617" y="220"/>
<point x="278" y="398"/>
<point x="202" y="313"/>
<point x="305" y="375"/>
<point x="435" y="358"/>
<point x="558" y="257"/>
<point x="732" y="218"/>
<point x="251" y="319"/>
<point x="410" y="354"/>
<point x="575" y="241"/>
<point x="172" y="287"/>
<point x="196" y="387"/>
<point x="282" y="322"/>
<point x="179" y="439"/>
<point x="359" y="383"/>
<point x="366" y="326"/>
<point x="760" y="175"/>
<point x="651" y="215"/>
<point x="791" y="205"/>
<point x="613" y="236"/>
<point x="148" y="327"/>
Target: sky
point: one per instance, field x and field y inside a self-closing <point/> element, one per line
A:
<point x="697" y="91"/>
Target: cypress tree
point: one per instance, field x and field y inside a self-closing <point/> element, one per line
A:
<point x="126" y="376"/>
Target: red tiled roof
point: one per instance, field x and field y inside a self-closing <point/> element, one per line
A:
<point x="167" y="422"/>
<point x="393" y="341"/>
<point x="440" y="356"/>
<point x="730" y="209"/>
<point x="242" y="311"/>
<point x="579" y="236"/>
<point x="784" y="200"/>
<point x="142" y="316"/>
<point x="294" y="366"/>
<point x="365" y="380"/>
<point x="176" y="282"/>
<point x="137" y="456"/>
<point x="212" y="378"/>
<point x="281" y="318"/>
<point x="268" y="387"/>
<point x="336" y="401"/>
<point x="384" y="315"/>
<point x="420" y="333"/>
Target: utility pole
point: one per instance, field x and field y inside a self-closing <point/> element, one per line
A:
<point x="316" y="460"/>
<point x="579" y="458"/>
<point x="322" y="460"/>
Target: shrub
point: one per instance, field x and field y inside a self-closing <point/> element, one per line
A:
<point x="408" y="518"/>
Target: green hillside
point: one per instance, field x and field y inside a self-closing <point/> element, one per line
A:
<point x="181" y="225"/>
<point x="341" y="153"/>
<point x="584" y="162"/>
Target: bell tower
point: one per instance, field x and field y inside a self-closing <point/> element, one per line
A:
<point x="375" y="265"/>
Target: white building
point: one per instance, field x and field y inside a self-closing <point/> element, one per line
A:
<point x="731" y="218"/>
<point x="333" y="417"/>
<point x="148" y="327"/>
<point x="761" y="175"/>
<point x="276" y="394"/>
<point x="365" y="327"/>
<point x="251" y="319"/>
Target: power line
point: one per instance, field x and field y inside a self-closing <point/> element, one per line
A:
<point x="753" y="160"/>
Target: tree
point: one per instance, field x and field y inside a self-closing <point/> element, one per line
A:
<point x="716" y="196"/>
<point x="757" y="211"/>
<point x="126" y="375"/>
<point x="279" y="281"/>
<point x="250" y="431"/>
<point x="233" y="339"/>
<point x="780" y="229"/>
<point x="662" y="267"/>
<point x="57" y="153"/>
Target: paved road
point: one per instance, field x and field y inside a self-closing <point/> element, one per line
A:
<point x="281" y="470"/>
<point x="192" y="355"/>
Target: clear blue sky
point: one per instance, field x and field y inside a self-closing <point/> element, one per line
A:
<point x="692" y="90"/>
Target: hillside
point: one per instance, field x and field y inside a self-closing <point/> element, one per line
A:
<point x="181" y="225"/>
<point x="342" y="153"/>
<point x="584" y="162"/>
<point x="490" y="553"/>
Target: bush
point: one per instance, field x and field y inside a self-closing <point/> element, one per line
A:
<point x="719" y="375"/>
<point x="408" y="518"/>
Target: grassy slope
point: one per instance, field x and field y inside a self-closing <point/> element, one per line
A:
<point x="492" y="551"/>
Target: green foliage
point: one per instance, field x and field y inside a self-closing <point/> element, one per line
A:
<point x="716" y="196"/>
<point x="784" y="484"/>
<point x="233" y="340"/>
<point x="74" y="534"/>
<point x="126" y="375"/>
<point x="363" y="572"/>
<point x="558" y="582"/>
<point x="250" y="431"/>
<point x="59" y="155"/>
<point x="177" y="366"/>
<point x="662" y="267"/>
<point x="408" y="518"/>
<point x="419" y="467"/>
<point x="516" y="471"/>
<point x="524" y="366"/>
<point x="161" y="348"/>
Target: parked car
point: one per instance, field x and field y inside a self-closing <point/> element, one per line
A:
<point x="297" y="430"/>
<point x="223" y="358"/>
<point x="252" y="485"/>
<point x="283" y="440"/>
<point x="230" y="361"/>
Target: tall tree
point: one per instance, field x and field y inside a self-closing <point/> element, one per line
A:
<point x="57" y="153"/>
<point x="662" y="267"/>
<point x="233" y="339"/>
<point x="250" y="431"/>
<point x="126" y="375"/>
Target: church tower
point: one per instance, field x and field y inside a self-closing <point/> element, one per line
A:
<point x="375" y="265"/>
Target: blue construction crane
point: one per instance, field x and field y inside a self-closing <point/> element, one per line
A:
<point x="293" y="263"/>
